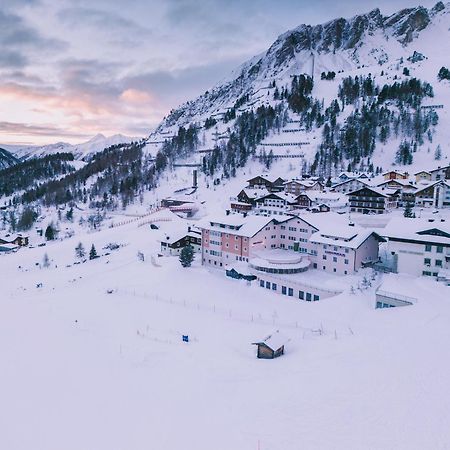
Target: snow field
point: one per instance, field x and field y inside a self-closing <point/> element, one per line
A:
<point x="84" y="369"/>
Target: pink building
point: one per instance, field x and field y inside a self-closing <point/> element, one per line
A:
<point x="235" y="237"/>
<point x="327" y="240"/>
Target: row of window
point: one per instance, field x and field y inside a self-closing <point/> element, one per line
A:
<point x="302" y="295"/>
<point x="335" y="259"/>
<point x="429" y="274"/>
<point x="215" y="262"/>
<point x="429" y="248"/>
<point x="437" y="262"/>
<point x="384" y="305"/>
<point x="335" y="249"/>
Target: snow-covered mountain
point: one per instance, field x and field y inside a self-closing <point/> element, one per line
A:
<point x="416" y="39"/>
<point x="370" y="41"/>
<point x="6" y="159"/>
<point x="96" y="144"/>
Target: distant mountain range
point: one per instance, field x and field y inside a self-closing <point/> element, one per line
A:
<point x="96" y="144"/>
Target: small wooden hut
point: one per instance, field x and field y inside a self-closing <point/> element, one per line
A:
<point x="272" y="346"/>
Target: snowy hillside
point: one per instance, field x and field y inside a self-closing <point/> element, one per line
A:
<point x="94" y="145"/>
<point x="6" y="159"/>
<point x="93" y="357"/>
<point x="388" y="49"/>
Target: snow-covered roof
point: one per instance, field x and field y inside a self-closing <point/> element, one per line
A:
<point x="408" y="182"/>
<point x="329" y="223"/>
<point x="306" y="183"/>
<point x="424" y="186"/>
<point x="352" y="241"/>
<point x="255" y="194"/>
<point x="416" y="229"/>
<point x="177" y="235"/>
<point x="8" y="247"/>
<point x="289" y="198"/>
<point x="274" y="341"/>
<point x="11" y="237"/>
<point x="270" y="178"/>
<point x="239" y="225"/>
<point x="379" y="191"/>
<point x="349" y="181"/>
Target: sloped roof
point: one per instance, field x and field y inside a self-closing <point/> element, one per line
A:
<point x="274" y="341"/>
<point x="244" y="226"/>
<point x="431" y="184"/>
<point x="417" y="229"/>
<point x="376" y="190"/>
<point x="354" y="241"/>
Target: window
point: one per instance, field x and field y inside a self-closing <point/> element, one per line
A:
<point x="345" y="261"/>
<point x="324" y="256"/>
<point x="427" y="261"/>
<point x="334" y="270"/>
<point x="316" y="298"/>
<point x="334" y="259"/>
<point x="290" y="292"/>
<point x="267" y="284"/>
<point x="308" y="297"/>
<point x="301" y="295"/>
<point x="274" y="287"/>
<point x="428" y="248"/>
<point x="426" y="273"/>
<point x="439" y="249"/>
<point x="323" y="267"/>
<point x="315" y="265"/>
<point x="261" y="283"/>
<point x="438" y="263"/>
<point x="283" y="290"/>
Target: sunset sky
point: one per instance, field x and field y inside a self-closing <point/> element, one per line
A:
<point x="72" y="68"/>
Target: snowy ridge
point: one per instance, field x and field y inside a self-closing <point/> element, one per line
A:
<point x="96" y="144"/>
<point x="6" y="159"/>
<point x="365" y="44"/>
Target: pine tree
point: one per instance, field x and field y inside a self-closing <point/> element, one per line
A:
<point x="438" y="153"/>
<point x="69" y="215"/>
<point x="79" y="251"/>
<point x="50" y="232"/>
<point x="27" y="219"/>
<point x="187" y="256"/>
<point x="408" y="211"/>
<point x="93" y="253"/>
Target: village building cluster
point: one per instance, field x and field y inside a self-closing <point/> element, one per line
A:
<point x="296" y="237"/>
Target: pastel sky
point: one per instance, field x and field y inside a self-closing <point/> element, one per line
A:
<point x="72" y="68"/>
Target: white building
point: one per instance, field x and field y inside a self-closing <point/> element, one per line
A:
<point x="420" y="246"/>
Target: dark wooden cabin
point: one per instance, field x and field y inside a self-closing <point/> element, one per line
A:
<point x="272" y="346"/>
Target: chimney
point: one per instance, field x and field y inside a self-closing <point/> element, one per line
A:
<point x="244" y="214"/>
<point x="189" y="228"/>
<point x="228" y="212"/>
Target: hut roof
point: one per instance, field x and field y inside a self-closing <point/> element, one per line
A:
<point x="274" y="341"/>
